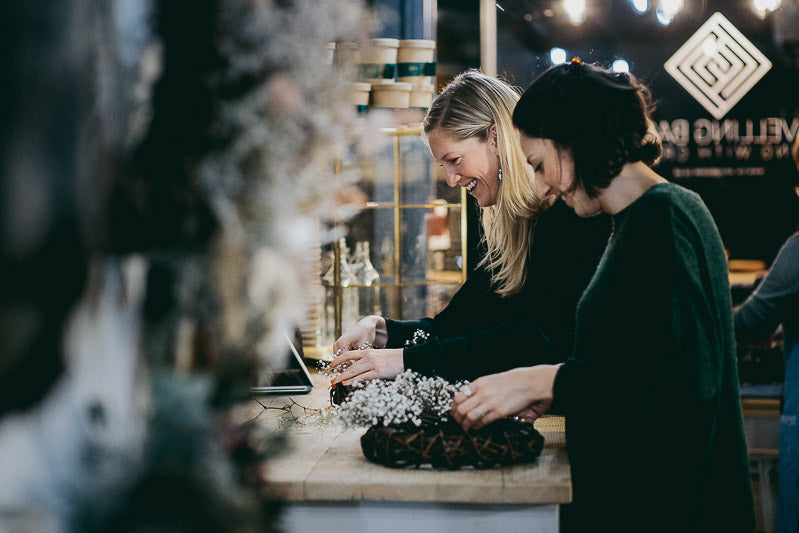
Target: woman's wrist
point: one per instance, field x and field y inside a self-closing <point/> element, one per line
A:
<point x="381" y="330"/>
<point x="544" y="380"/>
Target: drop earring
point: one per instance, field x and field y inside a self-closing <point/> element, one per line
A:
<point x="499" y="175"/>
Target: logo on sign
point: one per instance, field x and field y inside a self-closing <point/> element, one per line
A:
<point x="718" y="65"/>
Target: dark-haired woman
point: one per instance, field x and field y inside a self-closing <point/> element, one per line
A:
<point x="653" y="419"/>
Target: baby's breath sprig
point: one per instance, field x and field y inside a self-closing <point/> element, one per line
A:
<point x="419" y="336"/>
<point x="409" y="398"/>
<point x="324" y="364"/>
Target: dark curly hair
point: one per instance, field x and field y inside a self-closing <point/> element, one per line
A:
<point x="602" y="117"/>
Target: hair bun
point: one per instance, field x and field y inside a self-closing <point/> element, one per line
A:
<point x="648" y="153"/>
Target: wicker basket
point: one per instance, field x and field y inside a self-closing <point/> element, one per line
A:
<point x="446" y="445"/>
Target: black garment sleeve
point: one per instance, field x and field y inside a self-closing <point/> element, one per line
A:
<point x="474" y="306"/>
<point x="400" y="331"/>
<point x="481" y="333"/>
<point x="508" y="345"/>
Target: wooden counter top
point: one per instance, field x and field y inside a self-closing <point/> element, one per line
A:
<point x="325" y="463"/>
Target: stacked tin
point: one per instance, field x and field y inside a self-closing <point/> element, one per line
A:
<point x="392" y="73"/>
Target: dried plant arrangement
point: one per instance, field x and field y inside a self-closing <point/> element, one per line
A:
<point x="410" y="425"/>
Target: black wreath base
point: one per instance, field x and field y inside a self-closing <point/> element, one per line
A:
<point x="446" y="445"/>
<point x="339" y="394"/>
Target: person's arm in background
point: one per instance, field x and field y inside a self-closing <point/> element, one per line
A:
<point x="766" y="307"/>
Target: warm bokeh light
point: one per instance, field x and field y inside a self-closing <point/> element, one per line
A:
<point x="575" y="9"/>
<point x="557" y="56"/>
<point x="667" y="10"/>
<point x="620" y="65"/>
<point x="764" y="7"/>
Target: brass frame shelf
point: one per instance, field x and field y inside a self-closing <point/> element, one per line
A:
<point x="397" y="208"/>
<point x="405" y="284"/>
<point x="386" y="205"/>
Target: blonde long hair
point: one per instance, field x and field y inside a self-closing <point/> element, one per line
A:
<point x="466" y="108"/>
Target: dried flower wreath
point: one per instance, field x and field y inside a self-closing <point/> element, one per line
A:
<point x="409" y="398"/>
<point x="410" y="424"/>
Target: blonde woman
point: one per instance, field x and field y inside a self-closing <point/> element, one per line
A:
<point x="495" y="322"/>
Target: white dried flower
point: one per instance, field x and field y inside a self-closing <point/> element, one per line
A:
<point x="410" y="397"/>
<point x="419" y="336"/>
<point x="330" y="372"/>
<point x="272" y="180"/>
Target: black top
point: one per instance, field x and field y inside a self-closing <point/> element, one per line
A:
<point x="481" y="333"/>
<point x="650" y="395"/>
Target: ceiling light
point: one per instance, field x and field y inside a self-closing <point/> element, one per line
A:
<point x="575" y="9"/>
<point x="667" y="10"/>
<point x="620" y="65"/>
<point x="557" y="56"/>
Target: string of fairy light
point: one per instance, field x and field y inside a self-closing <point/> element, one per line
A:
<point x="665" y="11"/>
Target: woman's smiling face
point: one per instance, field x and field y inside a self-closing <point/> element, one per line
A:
<point x="470" y="163"/>
<point x="554" y="175"/>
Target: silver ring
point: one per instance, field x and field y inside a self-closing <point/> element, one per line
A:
<point x="479" y="413"/>
<point x="467" y="391"/>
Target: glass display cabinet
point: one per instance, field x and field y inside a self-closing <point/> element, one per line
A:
<point x="404" y="254"/>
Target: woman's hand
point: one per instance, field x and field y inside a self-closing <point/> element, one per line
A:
<point x="364" y="365"/>
<point x="369" y="330"/>
<point x="525" y="392"/>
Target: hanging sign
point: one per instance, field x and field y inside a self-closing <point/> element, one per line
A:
<point x="718" y="65"/>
